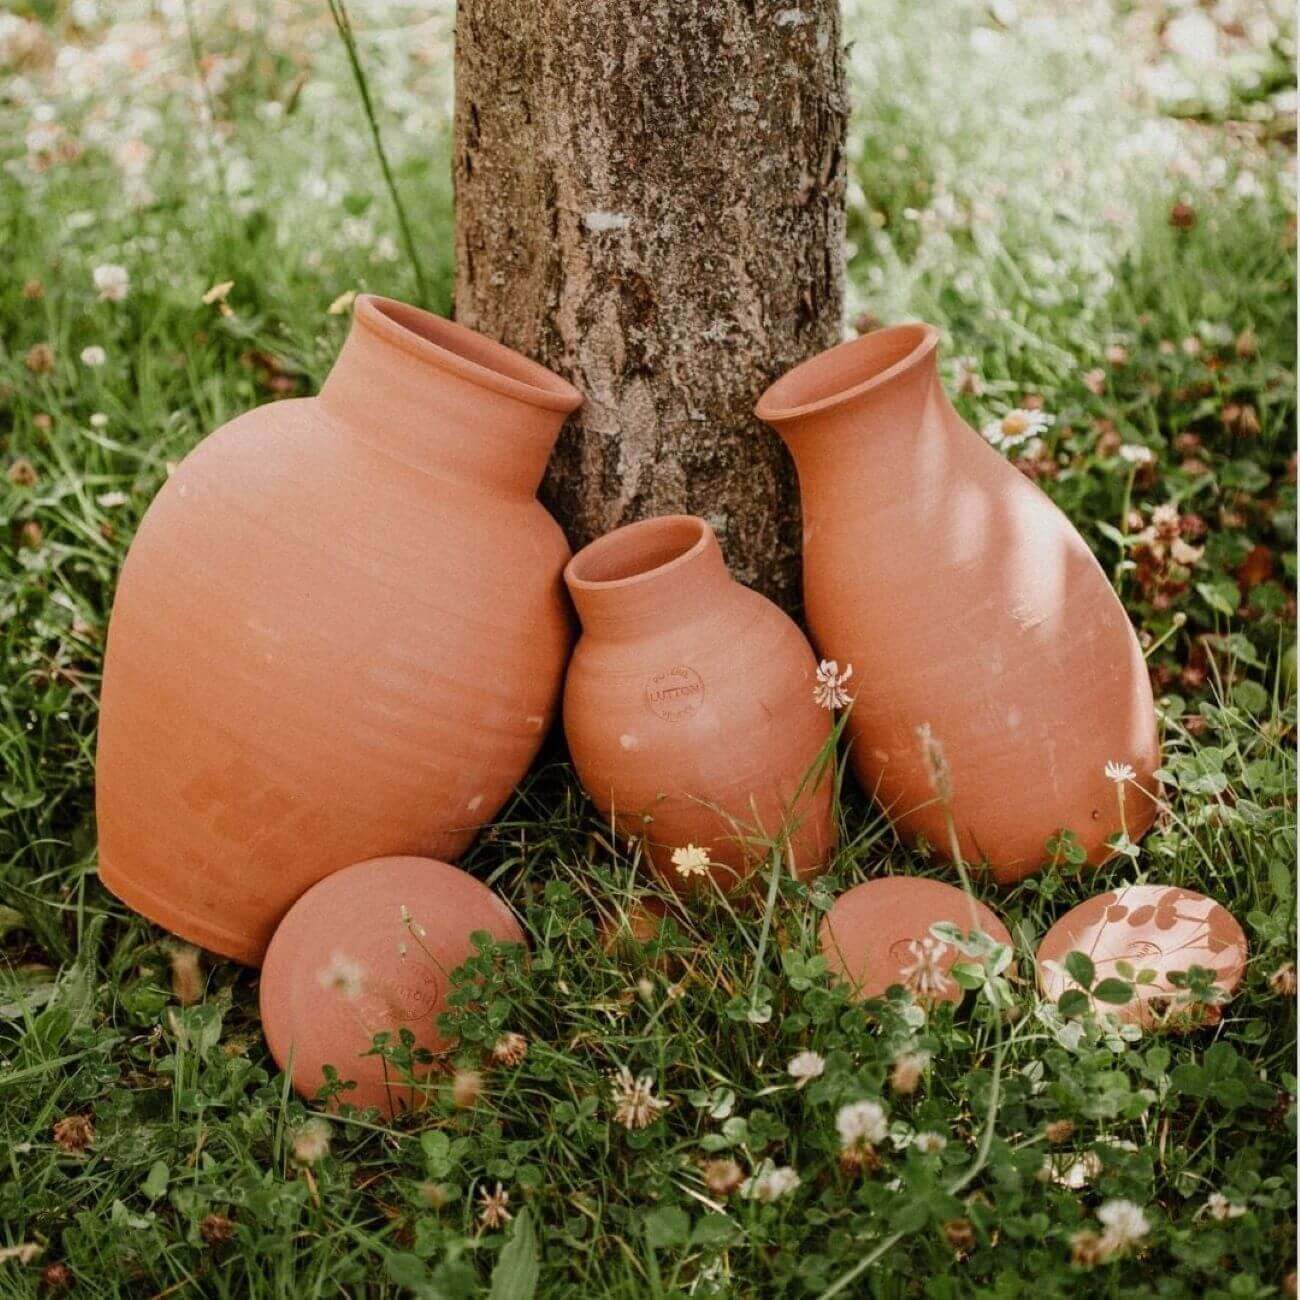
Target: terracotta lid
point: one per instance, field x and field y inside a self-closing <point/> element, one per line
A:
<point x="1152" y="927"/>
<point x="371" y="948"/>
<point x="878" y="934"/>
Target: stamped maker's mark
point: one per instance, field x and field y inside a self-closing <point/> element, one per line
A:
<point x="674" y="694"/>
<point x="394" y="1002"/>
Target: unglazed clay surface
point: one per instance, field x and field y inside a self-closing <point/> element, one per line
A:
<point x="969" y="604"/>
<point x="1159" y="928"/>
<point x="340" y="632"/>
<point x="369" y="950"/>
<point x="878" y="934"/>
<point x="689" y="708"/>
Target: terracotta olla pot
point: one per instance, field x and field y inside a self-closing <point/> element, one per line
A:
<point x="371" y="950"/>
<point x="340" y="632"/>
<point x="1162" y="929"/>
<point x="877" y="934"/>
<point x="966" y="602"/>
<point x="689" y="708"/>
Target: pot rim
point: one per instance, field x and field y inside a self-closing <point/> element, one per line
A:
<point x="451" y="347"/>
<point x="628" y="537"/>
<point x="770" y="410"/>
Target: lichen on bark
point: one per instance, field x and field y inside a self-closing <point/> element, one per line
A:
<point x="650" y="200"/>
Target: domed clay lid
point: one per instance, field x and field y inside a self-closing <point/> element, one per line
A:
<point x="1151" y="927"/>
<point x="371" y="948"/>
<point x="878" y="934"/>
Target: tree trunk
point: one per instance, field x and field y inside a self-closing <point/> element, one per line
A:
<point x="650" y="200"/>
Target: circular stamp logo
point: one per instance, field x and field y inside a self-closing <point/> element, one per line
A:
<point x="1144" y="950"/>
<point x="903" y="950"/>
<point x="674" y="694"/>
<point x="398" y="1003"/>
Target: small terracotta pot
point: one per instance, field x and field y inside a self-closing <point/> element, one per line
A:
<point x="371" y="949"/>
<point x="966" y="601"/>
<point x="878" y="934"/>
<point x="689" y="707"/>
<point x="1151" y="927"/>
<point x="340" y="632"/>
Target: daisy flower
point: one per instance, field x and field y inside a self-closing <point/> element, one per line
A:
<point x="1016" y="427"/>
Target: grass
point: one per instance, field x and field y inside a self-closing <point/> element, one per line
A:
<point x="1098" y="224"/>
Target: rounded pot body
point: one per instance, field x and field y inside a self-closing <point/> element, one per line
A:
<point x="689" y="709"/>
<point x="371" y="950"/>
<point x="340" y="632"/>
<point x="967" y="605"/>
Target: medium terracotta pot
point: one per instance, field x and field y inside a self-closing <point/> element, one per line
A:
<point x="370" y="950"/>
<point x="689" y="707"/>
<point x="964" y="600"/>
<point x="877" y="934"/>
<point x="1157" y="928"/>
<point x="340" y="632"/>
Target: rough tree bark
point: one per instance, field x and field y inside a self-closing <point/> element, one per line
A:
<point x="650" y="199"/>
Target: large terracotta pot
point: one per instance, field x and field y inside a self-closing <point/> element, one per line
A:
<point x="340" y="632"/>
<point x="965" y="600"/>
<point x="689" y="708"/>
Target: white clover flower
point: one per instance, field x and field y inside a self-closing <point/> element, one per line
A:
<point x="925" y="976"/>
<point x="310" y="1141"/>
<point x="635" y="1105"/>
<point x="691" y="861"/>
<point x="830" y="692"/>
<point x="1134" y="453"/>
<point x="862" y="1123"/>
<point x="93" y="356"/>
<point x="1119" y="772"/>
<point x="112" y="281"/>
<point x="99" y="420"/>
<point x="1074" y="1172"/>
<point x="805" y="1067"/>
<point x="1217" y="1206"/>
<point x="1165" y="518"/>
<point x="770" y="1183"/>
<point x="1125" y="1223"/>
<point x="930" y="1144"/>
<point x="1016" y="427"/>
<point x="494" y="1207"/>
<point x="906" y="1071"/>
<point x="344" y="976"/>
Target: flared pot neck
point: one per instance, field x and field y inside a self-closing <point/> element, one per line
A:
<point x="446" y="400"/>
<point x="648" y="578"/>
<point x="879" y="378"/>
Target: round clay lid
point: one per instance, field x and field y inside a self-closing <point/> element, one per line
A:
<point x="371" y="948"/>
<point x="1152" y="927"/>
<point x="878" y="933"/>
